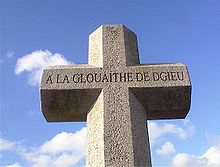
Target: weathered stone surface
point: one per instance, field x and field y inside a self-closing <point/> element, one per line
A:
<point x="68" y="105"/>
<point x="115" y="94"/>
<point x="163" y="90"/>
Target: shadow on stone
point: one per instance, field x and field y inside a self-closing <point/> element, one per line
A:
<point x="66" y="105"/>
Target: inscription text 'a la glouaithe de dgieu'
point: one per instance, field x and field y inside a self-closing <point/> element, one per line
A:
<point x="115" y="77"/>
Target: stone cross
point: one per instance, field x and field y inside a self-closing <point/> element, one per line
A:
<point x="115" y="94"/>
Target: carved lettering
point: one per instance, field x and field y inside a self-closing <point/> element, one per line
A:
<point x="155" y="76"/>
<point x="168" y="76"/>
<point x="66" y="79"/>
<point x="49" y="79"/>
<point x="180" y="75"/>
<point x="105" y="78"/>
<point x="76" y="78"/>
<point x="129" y="75"/>
<point x="163" y="76"/>
<point x="90" y="78"/>
<point x="146" y="76"/>
<point x="122" y="77"/>
<point x="82" y="79"/>
<point x="115" y="76"/>
<point x="139" y="76"/>
<point x="58" y="78"/>
<point x="97" y="78"/>
<point x="173" y="76"/>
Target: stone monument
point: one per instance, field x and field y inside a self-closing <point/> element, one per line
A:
<point x="115" y="94"/>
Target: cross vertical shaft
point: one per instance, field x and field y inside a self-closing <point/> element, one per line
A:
<point x="121" y="137"/>
<point x="125" y="132"/>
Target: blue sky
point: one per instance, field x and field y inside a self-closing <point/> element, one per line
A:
<point x="36" y="33"/>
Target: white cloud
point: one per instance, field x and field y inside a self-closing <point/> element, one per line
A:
<point x="185" y="160"/>
<point x="7" y="145"/>
<point x="166" y="149"/>
<point x="14" y="165"/>
<point x="34" y="63"/>
<point x="157" y="131"/>
<point x="211" y="158"/>
<point x="56" y="145"/>
<point x="65" y="149"/>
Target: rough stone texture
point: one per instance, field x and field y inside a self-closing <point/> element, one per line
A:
<point x="115" y="94"/>
<point x="95" y="137"/>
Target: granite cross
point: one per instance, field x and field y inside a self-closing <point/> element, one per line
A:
<point x="115" y="94"/>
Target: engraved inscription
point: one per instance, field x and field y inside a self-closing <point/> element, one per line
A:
<point x="115" y="77"/>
